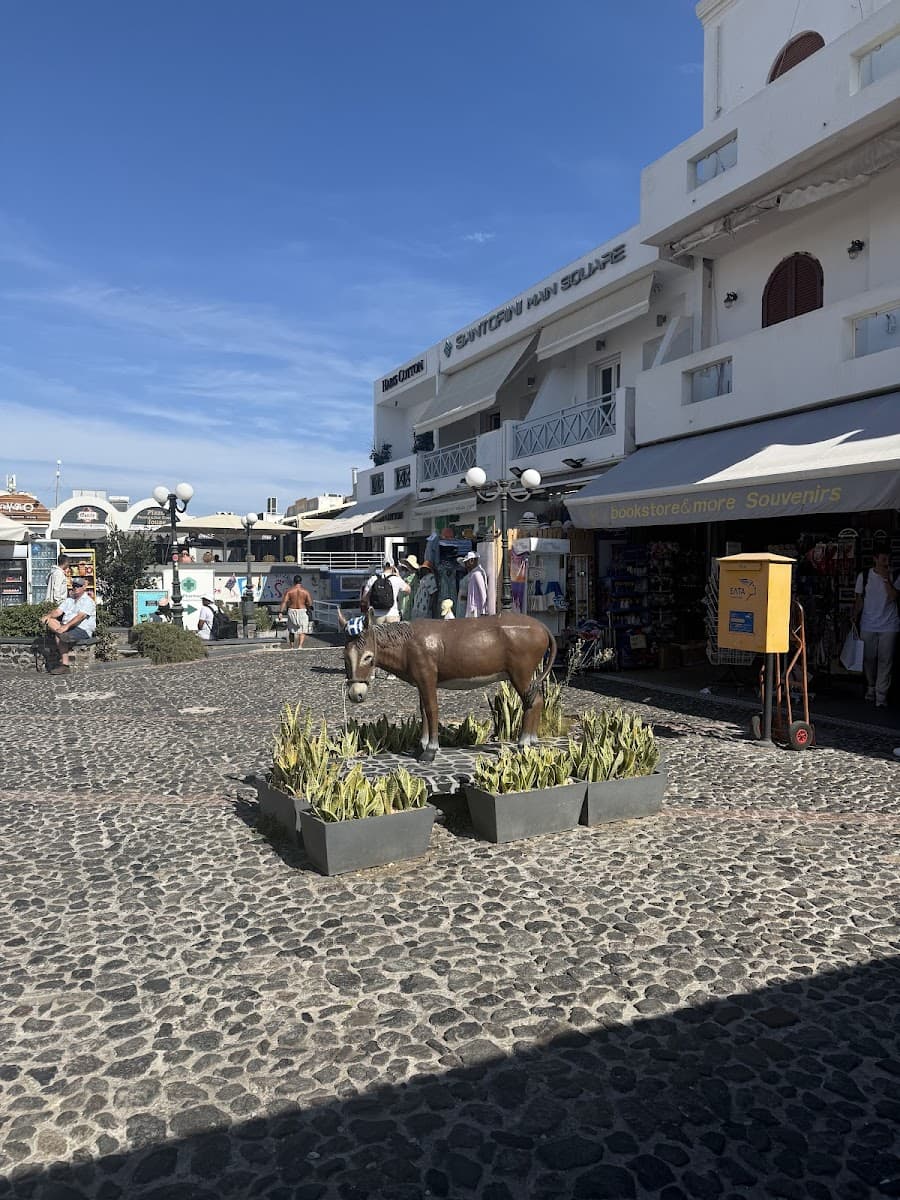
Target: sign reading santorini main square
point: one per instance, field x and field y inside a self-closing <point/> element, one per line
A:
<point x="571" y="278"/>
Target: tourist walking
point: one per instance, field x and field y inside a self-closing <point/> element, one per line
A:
<point x="410" y="576"/>
<point x="298" y="604"/>
<point x="878" y="618"/>
<point x="426" y="593"/>
<point x="205" y="618"/>
<point x="58" y="582"/>
<point x="476" y="585"/>
<point x="382" y="593"/>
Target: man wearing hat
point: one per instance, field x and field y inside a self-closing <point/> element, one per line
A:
<point x="410" y="568"/>
<point x="74" y="621"/>
<point x="476" y="590"/>
<point x="205" y="620"/>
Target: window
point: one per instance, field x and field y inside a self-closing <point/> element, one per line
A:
<point x="490" y="421"/>
<point x="376" y="484"/>
<point x="603" y="379"/>
<point x="876" y="331"/>
<point x="795" y="287"/>
<point x="649" y="351"/>
<point x="715" y="162"/>
<point x="797" y="49"/>
<point x="880" y="61"/>
<point x="401" y="478"/>
<point x="708" y="382"/>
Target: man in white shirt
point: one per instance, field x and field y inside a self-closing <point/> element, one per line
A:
<point x="58" y="582"/>
<point x="205" y="619"/>
<point x="879" y="623"/>
<point x="381" y="612"/>
<point x="74" y="621"/>
<point x="476" y="585"/>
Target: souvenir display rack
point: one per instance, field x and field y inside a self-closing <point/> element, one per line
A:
<point x="654" y="598"/>
<point x="83" y="565"/>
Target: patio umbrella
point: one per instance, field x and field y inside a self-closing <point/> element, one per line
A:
<point x="13" y="531"/>
<point x="229" y="523"/>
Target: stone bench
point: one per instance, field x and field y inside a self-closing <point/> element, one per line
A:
<point x="45" y="656"/>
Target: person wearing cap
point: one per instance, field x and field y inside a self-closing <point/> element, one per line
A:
<point x="205" y="619"/>
<point x="476" y="585"/>
<point x="426" y="593"/>
<point x="399" y="587"/>
<point x="74" y="621"/>
<point x="410" y="569"/>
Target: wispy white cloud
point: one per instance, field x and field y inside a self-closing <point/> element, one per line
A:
<point x="479" y="237"/>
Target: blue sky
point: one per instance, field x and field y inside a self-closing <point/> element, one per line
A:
<point x="219" y="222"/>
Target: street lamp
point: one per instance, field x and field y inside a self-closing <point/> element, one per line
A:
<point x="176" y="502"/>
<point x="247" y="602"/>
<point x="519" y="489"/>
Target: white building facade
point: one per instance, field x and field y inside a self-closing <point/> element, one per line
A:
<point x="733" y="358"/>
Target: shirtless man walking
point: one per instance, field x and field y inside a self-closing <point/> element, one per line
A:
<point x="297" y="602"/>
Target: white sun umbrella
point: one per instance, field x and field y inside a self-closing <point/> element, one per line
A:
<point x="229" y="523"/>
<point x="13" y="531"/>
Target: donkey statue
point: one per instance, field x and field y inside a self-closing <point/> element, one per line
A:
<point x="453" y="654"/>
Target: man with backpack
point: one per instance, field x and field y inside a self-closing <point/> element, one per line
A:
<point x="382" y="593"/>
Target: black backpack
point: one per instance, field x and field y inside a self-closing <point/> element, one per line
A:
<point x="217" y="628"/>
<point x="381" y="594"/>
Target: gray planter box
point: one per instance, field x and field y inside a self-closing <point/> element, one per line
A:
<point x="281" y="808"/>
<point x="334" y="847"/>
<point x="517" y="815"/>
<point x="623" y="799"/>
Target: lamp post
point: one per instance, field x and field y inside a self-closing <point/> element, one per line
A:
<point x="520" y="490"/>
<point x="247" y="601"/>
<point x="176" y="502"/>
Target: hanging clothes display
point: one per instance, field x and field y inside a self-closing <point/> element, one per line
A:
<point x="518" y="573"/>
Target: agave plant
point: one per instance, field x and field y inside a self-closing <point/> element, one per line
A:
<point x="615" y="744"/>
<point x="466" y="733"/>
<point x="300" y="756"/>
<point x="523" y="770"/>
<point x="353" y="797"/>
<point x="384" y="737"/>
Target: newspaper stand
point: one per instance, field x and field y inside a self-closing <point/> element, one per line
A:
<point x="790" y="676"/>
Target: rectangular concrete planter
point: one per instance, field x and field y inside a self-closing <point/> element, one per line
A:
<point x="506" y="818"/>
<point x="281" y="808"/>
<point x="623" y="799"/>
<point x="335" y="847"/>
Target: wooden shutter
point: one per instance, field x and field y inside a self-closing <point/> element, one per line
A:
<point x="795" y="287"/>
<point x="795" y="52"/>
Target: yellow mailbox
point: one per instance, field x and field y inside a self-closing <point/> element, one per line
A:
<point x="755" y="602"/>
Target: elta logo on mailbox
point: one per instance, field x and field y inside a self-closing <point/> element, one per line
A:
<point x="744" y="589"/>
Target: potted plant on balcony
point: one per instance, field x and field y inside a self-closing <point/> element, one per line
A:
<point x="381" y="454"/>
<point x="423" y="442"/>
<point x="618" y="759"/>
<point x="353" y="822"/>
<point x="522" y="793"/>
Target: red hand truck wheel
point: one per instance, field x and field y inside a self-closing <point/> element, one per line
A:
<point x="801" y="735"/>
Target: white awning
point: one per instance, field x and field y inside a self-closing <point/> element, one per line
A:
<point x="445" y="506"/>
<point x="597" y="318"/>
<point x="352" y="520"/>
<point x="840" y="459"/>
<point x="472" y="389"/>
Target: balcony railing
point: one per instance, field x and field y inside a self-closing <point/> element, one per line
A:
<point x="449" y="460"/>
<point x="567" y="427"/>
<point x="335" y="560"/>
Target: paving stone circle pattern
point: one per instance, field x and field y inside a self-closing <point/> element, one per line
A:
<point x="703" y="1004"/>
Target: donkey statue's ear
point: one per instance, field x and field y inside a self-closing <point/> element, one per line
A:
<point x="342" y="620"/>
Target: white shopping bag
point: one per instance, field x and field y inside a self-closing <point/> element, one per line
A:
<point x="852" y="653"/>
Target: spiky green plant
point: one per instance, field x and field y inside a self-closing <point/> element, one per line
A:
<point x="615" y="744"/>
<point x="469" y="732"/>
<point x="506" y="712"/>
<point x="385" y="737"/>
<point x="353" y="797"/>
<point x="523" y="770"/>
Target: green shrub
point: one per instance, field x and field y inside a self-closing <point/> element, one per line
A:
<point x="24" y="620"/>
<point x="615" y="744"/>
<point x="106" y="647"/>
<point x="167" y="643"/>
<point x="261" y="615"/>
<point x="506" y="713"/>
<point x="523" y="770"/>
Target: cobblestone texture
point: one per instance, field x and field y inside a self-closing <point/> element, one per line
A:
<point x="699" y="1005"/>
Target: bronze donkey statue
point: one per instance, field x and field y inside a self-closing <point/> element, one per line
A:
<point x="454" y="654"/>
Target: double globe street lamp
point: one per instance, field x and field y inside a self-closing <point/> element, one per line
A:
<point x="247" y="601"/>
<point x="517" y="489"/>
<point x="176" y="502"/>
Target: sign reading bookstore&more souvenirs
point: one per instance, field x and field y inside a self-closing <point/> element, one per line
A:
<point x="19" y="506"/>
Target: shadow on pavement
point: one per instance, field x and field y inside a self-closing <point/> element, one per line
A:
<point x="790" y="1091"/>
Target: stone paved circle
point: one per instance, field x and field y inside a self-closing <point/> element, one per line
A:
<point x="703" y="1004"/>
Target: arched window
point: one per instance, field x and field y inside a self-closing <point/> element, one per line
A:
<point x="795" y="287"/>
<point x="798" y="48"/>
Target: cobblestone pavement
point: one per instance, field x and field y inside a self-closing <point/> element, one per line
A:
<point x="703" y="1004"/>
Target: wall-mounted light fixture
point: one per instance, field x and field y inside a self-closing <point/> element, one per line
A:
<point x="731" y="298"/>
<point x="661" y="320"/>
<point x="574" y="463"/>
<point x="856" y="247"/>
<point x="600" y="344"/>
<point x="517" y="471"/>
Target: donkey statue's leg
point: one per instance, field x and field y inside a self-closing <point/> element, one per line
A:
<point x="428" y="705"/>
<point x="521" y="677"/>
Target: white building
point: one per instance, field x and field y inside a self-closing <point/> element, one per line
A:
<point x="734" y="357"/>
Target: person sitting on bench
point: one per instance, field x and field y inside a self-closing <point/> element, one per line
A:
<point x="74" y="621"/>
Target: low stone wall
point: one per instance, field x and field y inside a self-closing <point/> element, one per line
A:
<point x="20" y="654"/>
